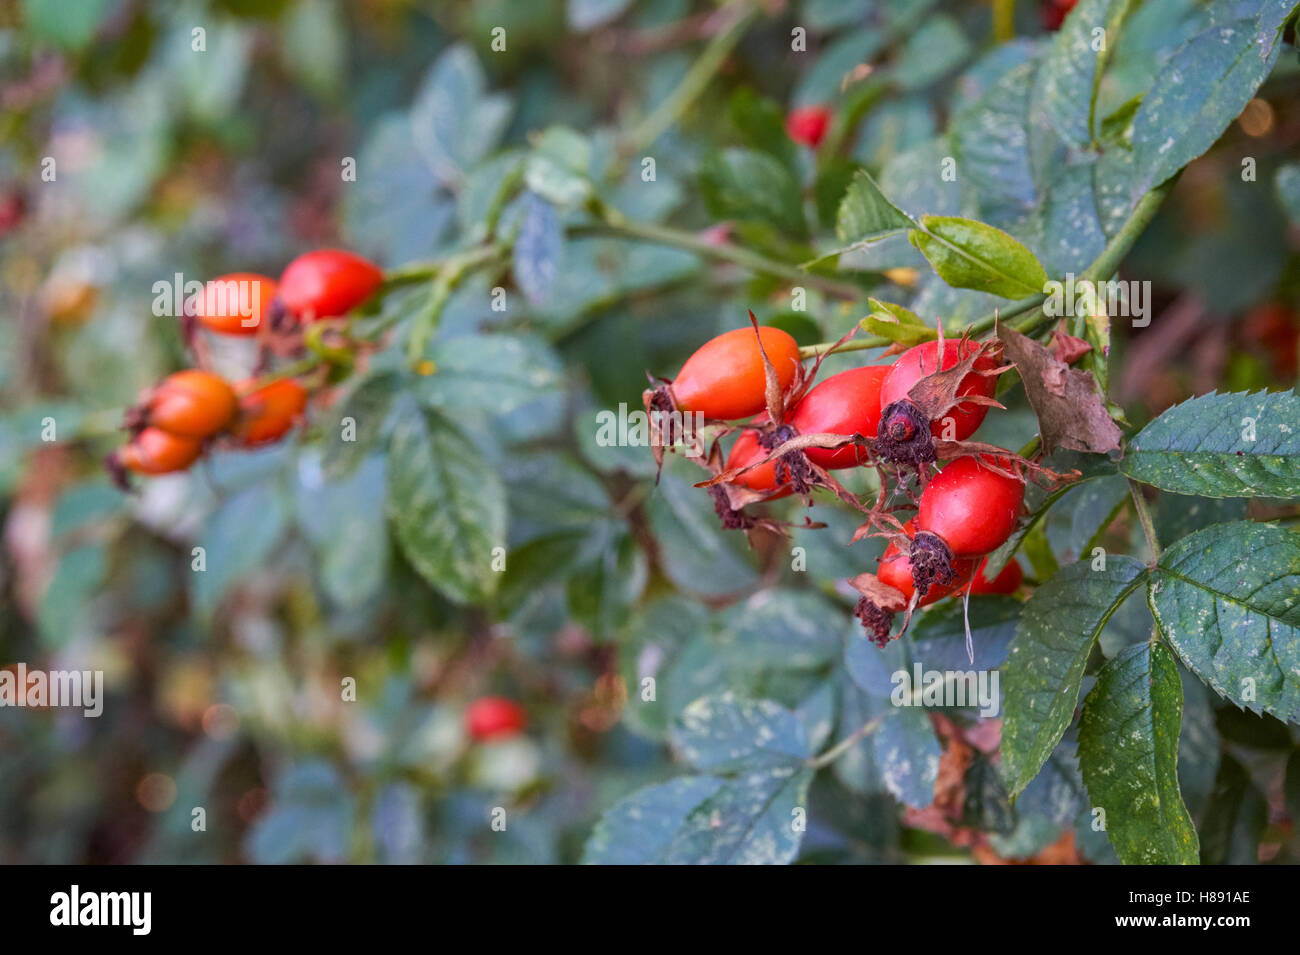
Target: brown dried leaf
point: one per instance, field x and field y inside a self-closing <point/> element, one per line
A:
<point x="1071" y="414"/>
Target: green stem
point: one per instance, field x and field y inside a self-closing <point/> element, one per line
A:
<point x="617" y="225"/>
<point x="1144" y="518"/>
<point x="695" y="81"/>
<point x="1101" y="269"/>
<point x="844" y="745"/>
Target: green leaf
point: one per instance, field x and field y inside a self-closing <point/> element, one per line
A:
<point x="358" y="425"/>
<point x="1287" y="182"/>
<point x="1233" y="445"/>
<point x="761" y="124"/>
<point x="538" y="249"/>
<point x="447" y="505"/>
<point x="696" y="554"/>
<point x="749" y="821"/>
<point x="727" y="734"/>
<point x="1064" y="93"/>
<point x="315" y="45"/>
<point x="865" y="213"/>
<point x="399" y="212"/>
<point x="557" y="168"/>
<point x="1044" y="669"/>
<point x="937" y="48"/>
<point x="639" y="829"/>
<point x="584" y="15"/>
<point x="1203" y="88"/>
<point x="745" y="184"/>
<point x="63" y="606"/>
<point x="1128" y="755"/>
<point x="70" y="24"/>
<point x="490" y="374"/>
<point x="975" y="255"/>
<point x="1235" y="819"/>
<point x="1228" y="599"/>
<point x="240" y="535"/>
<point x="901" y="756"/>
<point x="454" y="120"/>
<point x="896" y="323"/>
<point x="795" y="629"/>
<point x="344" y="521"/>
<point x="939" y="635"/>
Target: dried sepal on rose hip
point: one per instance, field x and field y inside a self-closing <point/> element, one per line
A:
<point x="938" y="389"/>
<point x="877" y="606"/>
<point x="969" y="508"/>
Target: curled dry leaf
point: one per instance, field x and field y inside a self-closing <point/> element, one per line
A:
<point x="1071" y="413"/>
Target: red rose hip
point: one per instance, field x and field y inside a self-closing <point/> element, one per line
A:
<point x="327" y="283"/>
<point x="494" y="717"/>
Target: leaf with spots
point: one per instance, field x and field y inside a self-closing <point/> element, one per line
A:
<point x="447" y="505"/>
<point x="725" y="733"/>
<point x="1057" y="631"/>
<point x="639" y="829"/>
<point x="1228" y="599"/>
<point x="1204" y="87"/>
<point x="749" y="821"/>
<point x="1233" y="445"/>
<point x="1128" y="755"/>
<point x="901" y="756"/>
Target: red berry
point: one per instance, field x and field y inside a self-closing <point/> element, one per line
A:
<point x="808" y="125"/>
<point x="494" y="717"/>
<point x="268" y="413"/>
<point x="154" y="451"/>
<point x="192" y="403"/>
<point x="234" y="304"/>
<point x="922" y="360"/>
<point x="847" y="403"/>
<point x="745" y="451"/>
<point x="1055" y="12"/>
<point x="327" y="283"/>
<point x="970" y="507"/>
<point x="725" y="379"/>
<point x="1006" y="582"/>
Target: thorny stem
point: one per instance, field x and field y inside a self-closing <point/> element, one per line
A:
<point x="1144" y="518"/>
<point x="695" y="81"/>
<point x="1101" y="269"/>
<point x="844" y="745"/>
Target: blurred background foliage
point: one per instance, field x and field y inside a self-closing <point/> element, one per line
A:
<point x="224" y="686"/>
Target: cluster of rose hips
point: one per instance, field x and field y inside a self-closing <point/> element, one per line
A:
<point x="176" y="420"/>
<point x="901" y="419"/>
